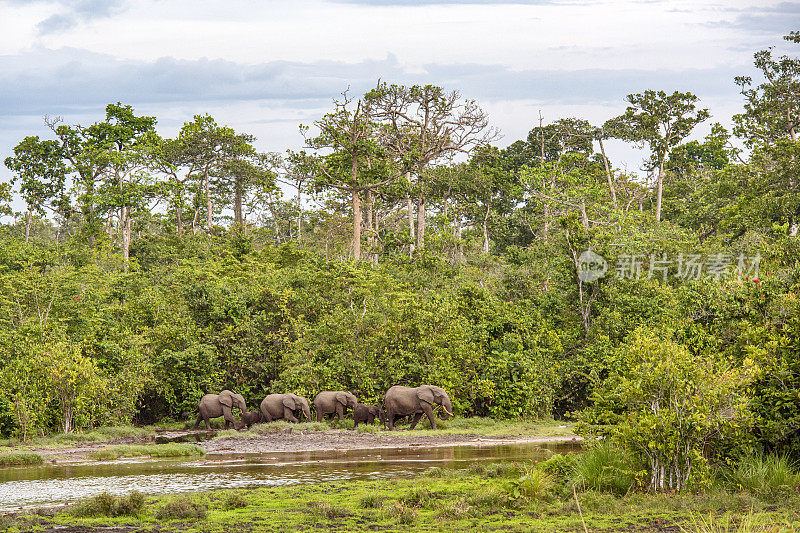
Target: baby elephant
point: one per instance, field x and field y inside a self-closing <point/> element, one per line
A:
<point x="367" y="414"/>
<point x="252" y="417"/>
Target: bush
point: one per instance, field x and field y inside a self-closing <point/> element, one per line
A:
<point x="106" y="504"/>
<point x="532" y="484"/>
<point x="173" y="449"/>
<point x="372" y="501"/>
<point x="604" y="468"/>
<point x="181" y="509"/>
<point x="20" y="459"/>
<point x="561" y="466"/>
<point x="765" y="476"/>
<point x="235" y="500"/>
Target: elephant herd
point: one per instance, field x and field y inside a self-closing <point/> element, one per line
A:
<point x="399" y="401"/>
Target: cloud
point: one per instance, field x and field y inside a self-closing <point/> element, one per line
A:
<point x="775" y="19"/>
<point x="46" y="81"/>
<point x="71" y="13"/>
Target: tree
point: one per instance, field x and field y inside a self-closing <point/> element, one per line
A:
<point x="423" y="124"/>
<point x="206" y="149"/>
<point x="125" y="139"/>
<point x="41" y="170"/>
<point x="246" y="171"/>
<point x="356" y="161"/>
<point x="659" y="121"/>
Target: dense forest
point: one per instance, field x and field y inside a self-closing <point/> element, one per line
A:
<point x="402" y="247"/>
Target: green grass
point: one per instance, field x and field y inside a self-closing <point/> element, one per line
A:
<point x="20" y="459"/>
<point x="472" y="500"/>
<point x="766" y="476"/>
<point x="604" y="468"/>
<point x="103" y="434"/>
<point x="151" y="450"/>
<point x="455" y="426"/>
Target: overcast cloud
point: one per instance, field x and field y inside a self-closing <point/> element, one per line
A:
<point x="264" y="67"/>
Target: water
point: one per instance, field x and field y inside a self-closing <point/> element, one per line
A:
<point x="31" y="487"/>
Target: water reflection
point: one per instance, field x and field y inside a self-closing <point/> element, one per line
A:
<point x="28" y="487"/>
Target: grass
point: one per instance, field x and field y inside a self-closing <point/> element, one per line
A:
<point x="103" y="434"/>
<point x="152" y="450"/>
<point x="766" y="476"/>
<point x="20" y="459"/>
<point x="474" y="499"/>
<point x="455" y="426"/>
<point x="108" y="505"/>
<point x="604" y="468"/>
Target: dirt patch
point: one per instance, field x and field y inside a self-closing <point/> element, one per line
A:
<point x="312" y="441"/>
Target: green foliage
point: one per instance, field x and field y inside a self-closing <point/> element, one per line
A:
<point x="20" y="459"/>
<point x="533" y="483"/>
<point x="765" y="476"/>
<point x="107" y="504"/>
<point x="173" y="449"/>
<point x="603" y="467"/>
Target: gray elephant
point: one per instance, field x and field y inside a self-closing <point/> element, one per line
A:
<point x="252" y="417"/>
<point x="367" y="414"/>
<point x="329" y="402"/>
<point x="277" y="406"/>
<point x="417" y="401"/>
<point x="214" y="405"/>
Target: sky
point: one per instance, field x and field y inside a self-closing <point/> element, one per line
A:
<point x="264" y="67"/>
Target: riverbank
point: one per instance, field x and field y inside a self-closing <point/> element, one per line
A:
<point x="479" y="498"/>
<point x="316" y="436"/>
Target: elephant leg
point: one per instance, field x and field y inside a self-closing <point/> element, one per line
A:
<point x="320" y="414"/>
<point x="355" y="422"/>
<point x="289" y="415"/>
<point x="197" y="423"/>
<point x="228" y="414"/>
<point x="429" y="411"/>
<point x="340" y="412"/>
<point x="416" y="419"/>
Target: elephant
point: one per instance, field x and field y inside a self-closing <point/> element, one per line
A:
<point x="367" y="414"/>
<point x="276" y="406"/>
<point x="417" y="401"/>
<point x="252" y="417"/>
<point x="329" y="402"/>
<point x="214" y="405"/>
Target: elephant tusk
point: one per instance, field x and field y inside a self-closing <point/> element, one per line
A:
<point x="446" y="411"/>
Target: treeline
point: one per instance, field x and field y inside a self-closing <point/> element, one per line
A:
<point x="147" y="271"/>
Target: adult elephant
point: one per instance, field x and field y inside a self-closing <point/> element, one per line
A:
<point x="417" y="401"/>
<point x="329" y="402"/>
<point x="214" y="405"/>
<point x="277" y="406"/>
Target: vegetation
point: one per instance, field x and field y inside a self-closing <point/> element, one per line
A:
<point x="532" y="282"/>
<point x="151" y="450"/>
<point x="482" y="497"/>
<point x="20" y="459"/>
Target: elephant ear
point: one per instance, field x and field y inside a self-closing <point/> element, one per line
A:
<point x="341" y="398"/>
<point x="374" y="410"/>
<point x="425" y="395"/>
<point x="289" y="402"/>
<point x="225" y="398"/>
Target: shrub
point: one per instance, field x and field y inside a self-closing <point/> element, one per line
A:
<point x="761" y="475"/>
<point x="20" y="459"/>
<point x="371" y="501"/>
<point x="562" y="466"/>
<point x="605" y="468"/>
<point x="181" y="509"/>
<point x="235" y="500"/>
<point x="532" y="484"/>
<point x="173" y="449"/>
<point x="106" y="504"/>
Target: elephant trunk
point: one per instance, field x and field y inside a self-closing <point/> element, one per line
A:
<point x="448" y="408"/>
<point x="307" y="413"/>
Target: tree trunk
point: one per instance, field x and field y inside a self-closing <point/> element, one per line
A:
<point x="356" y="224"/>
<point x="28" y="226"/>
<point x="178" y="218"/>
<point x="369" y="207"/>
<point x="486" y="230"/>
<point x="584" y="217"/>
<point x="659" y="189"/>
<point x="459" y="255"/>
<point x="410" y="208"/>
<point x="238" y="219"/>
<point x="126" y="235"/>
<point x="608" y="175"/>
<point x="209" y="205"/>
<point x="299" y="209"/>
<point x="420" y="222"/>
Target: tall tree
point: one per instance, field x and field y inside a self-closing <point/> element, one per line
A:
<point x="355" y="160"/>
<point x="659" y="121"/>
<point x="41" y="170"/>
<point x="423" y="124"/>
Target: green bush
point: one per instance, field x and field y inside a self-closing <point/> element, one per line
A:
<point x="764" y="476"/>
<point x="605" y="468"/>
<point x="106" y="504"/>
<point x="21" y="459"/>
<point x="181" y="509"/>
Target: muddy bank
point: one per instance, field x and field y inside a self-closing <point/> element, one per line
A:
<point x="291" y="440"/>
<point x="332" y="440"/>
